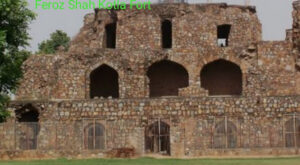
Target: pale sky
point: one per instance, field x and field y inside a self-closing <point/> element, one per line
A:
<point x="275" y="16"/>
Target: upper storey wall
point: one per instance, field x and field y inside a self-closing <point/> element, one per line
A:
<point x="193" y="27"/>
<point x="267" y="67"/>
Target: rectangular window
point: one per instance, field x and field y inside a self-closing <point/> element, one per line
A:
<point x="223" y="35"/>
<point x="166" y="29"/>
<point x="110" y="35"/>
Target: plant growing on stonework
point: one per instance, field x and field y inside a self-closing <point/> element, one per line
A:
<point x="14" y="21"/>
<point x="58" y="39"/>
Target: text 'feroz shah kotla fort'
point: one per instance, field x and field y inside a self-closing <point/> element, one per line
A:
<point x="183" y="80"/>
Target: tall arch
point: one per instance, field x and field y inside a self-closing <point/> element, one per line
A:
<point x="94" y="136"/>
<point x="222" y="77"/>
<point x="225" y="135"/>
<point x="166" y="77"/>
<point x="104" y="82"/>
<point x="157" y="138"/>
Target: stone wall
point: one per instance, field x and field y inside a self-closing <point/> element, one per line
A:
<point x="187" y="32"/>
<point x="267" y="67"/>
<point x="59" y="86"/>
<point x="277" y="63"/>
<point x="296" y="41"/>
<point x="259" y="123"/>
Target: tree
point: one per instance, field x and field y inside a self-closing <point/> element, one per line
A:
<point x="14" y="21"/>
<point x="57" y="39"/>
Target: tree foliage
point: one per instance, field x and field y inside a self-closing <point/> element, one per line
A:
<point x="57" y="39"/>
<point x="14" y="21"/>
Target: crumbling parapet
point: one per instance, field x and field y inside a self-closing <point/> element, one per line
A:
<point x="193" y="91"/>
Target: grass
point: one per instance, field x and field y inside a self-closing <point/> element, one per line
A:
<point x="150" y="161"/>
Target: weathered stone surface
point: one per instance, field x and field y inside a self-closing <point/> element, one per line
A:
<point x="59" y="86"/>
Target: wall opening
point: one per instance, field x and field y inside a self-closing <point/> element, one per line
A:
<point x="104" y="82"/>
<point x="157" y="138"/>
<point x="225" y="135"/>
<point x="28" y="127"/>
<point x="166" y="29"/>
<point x="28" y="113"/>
<point x="223" y="35"/>
<point x="110" y="35"/>
<point x="94" y="136"/>
<point x="292" y="133"/>
<point x="166" y="78"/>
<point x="221" y="77"/>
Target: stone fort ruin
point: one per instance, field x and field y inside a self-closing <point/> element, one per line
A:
<point x="183" y="80"/>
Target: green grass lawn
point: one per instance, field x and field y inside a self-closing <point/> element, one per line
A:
<point x="150" y="161"/>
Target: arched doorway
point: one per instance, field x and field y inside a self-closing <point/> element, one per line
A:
<point x="292" y="132"/>
<point x="94" y="136"/>
<point x="157" y="138"/>
<point x="166" y="77"/>
<point x="104" y="82"/>
<point x="27" y="127"/>
<point x="225" y="135"/>
<point x="221" y="77"/>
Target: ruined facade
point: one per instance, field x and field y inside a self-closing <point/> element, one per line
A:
<point x="184" y="80"/>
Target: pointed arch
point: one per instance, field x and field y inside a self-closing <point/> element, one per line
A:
<point x="157" y="138"/>
<point x="222" y="77"/>
<point x="104" y="82"/>
<point x="166" y="77"/>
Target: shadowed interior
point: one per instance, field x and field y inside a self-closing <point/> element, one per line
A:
<point x="223" y="35"/>
<point x="166" y="78"/>
<point x="157" y="138"/>
<point x="222" y="77"/>
<point x="110" y="35"/>
<point x="104" y="82"/>
<point x="166" y="29"/>
<point x="28" y="113"/>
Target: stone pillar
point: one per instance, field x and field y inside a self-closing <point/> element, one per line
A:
<point x="289" y="35"/>
<point x="296" y="41"/>
<point x="296" y="31"/>
<point x="194" y="89"/>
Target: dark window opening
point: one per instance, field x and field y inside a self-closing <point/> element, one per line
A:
<point x="292" y="133"/>
<point x="223" y="35"/>
<point x="157" y="138"/>
<point x="28" y="127"/>
<point x="166" y="29"/>
<point x="95" y="137"/>
<point x="110" y="35"/>
<point x="225" y="135"/>
<point x="166" y="78"/>
<point x="104" y="82"/>
<point x="222" y="77"/>
<point x="28" y="113"/>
